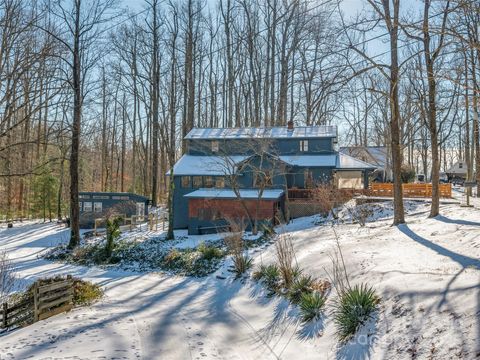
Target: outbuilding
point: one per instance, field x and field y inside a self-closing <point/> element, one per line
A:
<point x="95" y="205"/>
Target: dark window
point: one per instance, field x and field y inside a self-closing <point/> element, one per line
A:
<point x="185" y="181"/>
<point x="197" y="182"/>
<point x="208" y="181"/>
<point x="460" y="165"/>
<point x="219" y="182"/>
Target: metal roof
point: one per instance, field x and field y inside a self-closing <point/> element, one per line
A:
<point x="310" y="160"/>
<point x="321" y="131"/>
<point x="214" y="193"/>
<point x="206" y="165"/>
<point x="347" y="162"/>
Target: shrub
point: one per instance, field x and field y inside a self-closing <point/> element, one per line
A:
<point x="301" y="285"/>
<point x="113" y="233"/>
<point x="271" y="277"/>
<point x="210" y="252"/>
<point x="311" y="305"/>
<point x="407" y="174"/>
<point x="242" y="264"/>
<point x="353" y="308"/>
<point x="85" y="292"/>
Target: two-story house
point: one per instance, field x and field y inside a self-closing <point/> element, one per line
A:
<point x="235" y="172"/>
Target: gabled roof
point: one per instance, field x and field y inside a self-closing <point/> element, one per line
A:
<point x="378" y="154"/>
<point x="321" y="131"/>
<point x="347" y="162"/>
<point x="214" y="193"/>
<point x="206" y="165"/>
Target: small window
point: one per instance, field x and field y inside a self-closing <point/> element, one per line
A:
<point x="215" y="146"/>
<point x="460" y="165"/>
<point x="97" y="207"/>
<point x="101" y="197"/>
<point x="80" y="206"/>
<point x="87" y="206"/>
<point x="208" y="181"/>
<point x="219" y="182"/>
<point x="185" y="181"/>
<point x="81" y="196"/>
<point x="197" y="182"/>
<point x="303" y="145"/>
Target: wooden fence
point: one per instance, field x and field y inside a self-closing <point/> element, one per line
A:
<point x="410" y="190"/>
<point x="45" y="301"/>
<point x="132" y="222"/>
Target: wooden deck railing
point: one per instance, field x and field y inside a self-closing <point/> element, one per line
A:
<point x="410" y="190"/>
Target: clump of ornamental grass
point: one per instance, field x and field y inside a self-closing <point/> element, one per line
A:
<point x="354" y="306"/>
<point x="311" y="305"/>
<point x="301" y="285"/>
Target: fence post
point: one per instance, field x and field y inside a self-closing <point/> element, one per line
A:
<point x="4" y="318"/>
<point x="35" y="301"/>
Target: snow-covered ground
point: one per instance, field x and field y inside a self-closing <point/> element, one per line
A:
<point x="427" y="273"/>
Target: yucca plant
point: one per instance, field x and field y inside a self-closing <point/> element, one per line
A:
<point x="241" y="264"/>
<point x="311" y="305"/>
<point x="301" y="285"/>
<point x="271" y="277"/>
<point x="354" y="306"/>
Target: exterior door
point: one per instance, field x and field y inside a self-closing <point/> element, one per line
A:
<point x="140" y="209"/>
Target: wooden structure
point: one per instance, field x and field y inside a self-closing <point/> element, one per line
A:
<point x="45" y="301"/>
<point x="410" y="190"/>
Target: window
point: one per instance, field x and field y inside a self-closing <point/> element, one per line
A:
<point x="101" y="197"/>
<point x="84" y="196"/>
<point x="140" y="209"/>
<point x="460" y="165"/>
<point x="185" y="181"/>
<point x="215" y="146"/>
<point x="303" y="145"/>
<point x="87" y="206"/>
<point x="197" y="182"/>
<point x="97" y="207"/>
<point x="208" y="181"/>
<point x="116" y="197"/>
<point x="219" y="182"/>
<point x="80" y="206"/>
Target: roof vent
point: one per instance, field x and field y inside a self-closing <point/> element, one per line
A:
<point x="290" y="125"/>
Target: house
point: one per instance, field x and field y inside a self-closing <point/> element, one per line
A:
<point x="100" y="204"/>
<point x="457" y="171"/>
<point x="376" y="155"/>
<point x="233" y="172"/>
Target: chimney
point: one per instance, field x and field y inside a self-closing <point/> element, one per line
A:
<point x="290" y="125"/>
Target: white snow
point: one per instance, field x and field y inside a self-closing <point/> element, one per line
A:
<point x="206" y="165"/>
<point x="214" y="193"/>
<point x="345" y="161"/>
<point x="427" y="273"/>
<point x="310" y="160"/>
<point x="320" y="131"/>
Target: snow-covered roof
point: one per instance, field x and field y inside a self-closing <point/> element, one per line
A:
<point x="206" y="165"/>
<point x="347" y="162"/>
<point x="310" y="160"/>
<point x="376" y="154"/>
<point x="214" y="193"/>
<point x="321" y="131"/>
